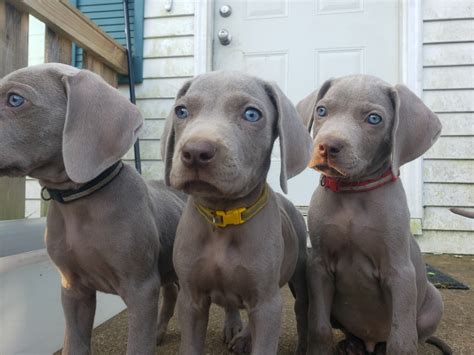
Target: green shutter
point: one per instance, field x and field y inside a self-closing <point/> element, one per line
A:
<point x="108" y="15"/>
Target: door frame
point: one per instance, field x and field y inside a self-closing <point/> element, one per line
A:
<point x="411" y="69"/>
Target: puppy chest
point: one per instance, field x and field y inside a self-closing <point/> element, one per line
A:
<point x="222" y="275"/>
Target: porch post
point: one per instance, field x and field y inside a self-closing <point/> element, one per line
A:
<point x="13" y="55"/>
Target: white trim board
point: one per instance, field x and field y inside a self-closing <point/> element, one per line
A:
<point x="411" y="70"/>
<point x="410" y="74"/>
<point x="203" y="36"/>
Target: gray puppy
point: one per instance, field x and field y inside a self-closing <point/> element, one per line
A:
<point x="238" y="242"/>
<point x="66" y="126"/>
<point x="366" y="272"/>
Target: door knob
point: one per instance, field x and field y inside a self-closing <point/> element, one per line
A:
<point x="225" y="10"/>
<point x="224" y="37"/>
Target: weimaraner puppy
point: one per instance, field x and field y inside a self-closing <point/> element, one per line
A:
<point x="112" y="231"/>
<point x="366" y="274"/>
<point x="237" y="242"/>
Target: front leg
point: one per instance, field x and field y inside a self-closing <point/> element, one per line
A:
<point x="192" y="320"/>
<point x="264" y="323"/>
<point x="232" y="324"/>
<point x="299" y="287"/>
<point x="320" y="293"/>
<point x="170" y="294"/>
<point x="79" y="310"/>
<point x="142" y="303"/>
<point x="401" y="288"/>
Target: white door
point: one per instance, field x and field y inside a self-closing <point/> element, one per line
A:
<point x="299" y="44"/>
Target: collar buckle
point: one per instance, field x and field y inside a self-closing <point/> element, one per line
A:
<point x="231" y="217"/>
<point x="234" y="216"/>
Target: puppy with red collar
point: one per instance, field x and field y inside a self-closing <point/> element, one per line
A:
<point x="366" y="274"/>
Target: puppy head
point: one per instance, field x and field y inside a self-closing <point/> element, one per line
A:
<point x="360" y="123"/>
<point x="219" y="136"/>
<point x="54" y="117"/>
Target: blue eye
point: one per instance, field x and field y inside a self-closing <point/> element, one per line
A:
<point x="322" y="111"/>
<point x="374" y="119"/>
<point x="252" y="114"/>
<point x="181" y="112"/>
<point x="15" y="100"/>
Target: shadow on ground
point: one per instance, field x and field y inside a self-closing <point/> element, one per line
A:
<point x="456" y="328"/>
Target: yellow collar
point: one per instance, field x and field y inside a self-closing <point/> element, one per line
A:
<point x="234" y="216"/>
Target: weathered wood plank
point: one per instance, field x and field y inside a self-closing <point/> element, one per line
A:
<point x="159" y="88"/>
<point x="448" y="54"/>
<point x="13" y="39"/>
<point x="167" y="27"/>
<point x="12" y="192"/>
<point x="155" y="8"/>
<point x="168" y="67"/>
<point x="457" y="124"/>
<point x="94" y="64"/>
<point x="67" y="21"/>
<point x="57" y="48"/>
<point x="449" y="78"/>
<point x="458" y="148"/>
<point x="168" y="47"/>
<point x="154" y="108"/>
<point x="448" y="31"/>
<point x="451" y="195"/>
<point x="450" y="101"/>
<point x="443" y="9"/>
<point x="448" y="171"/>
<point x="441" y="218"/>
<point x="13" y="55"/>
<point x="451" y="242"/>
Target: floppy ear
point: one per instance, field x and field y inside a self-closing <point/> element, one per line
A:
<point x="295" y="142"/>
<point x="167" y="138"/>
<point x="101" y="125"/>
<point x="415" y="127"/>
<point x="307" y="106"/>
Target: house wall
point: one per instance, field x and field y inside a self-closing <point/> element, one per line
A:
<point x="448" y="89"/>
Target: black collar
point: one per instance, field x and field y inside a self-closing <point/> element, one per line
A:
<point x="88" y="188"/>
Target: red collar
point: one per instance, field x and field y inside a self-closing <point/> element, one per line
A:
<point x="336" y="185"/>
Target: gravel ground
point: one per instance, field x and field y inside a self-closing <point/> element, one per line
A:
<point x="456" y="328"/>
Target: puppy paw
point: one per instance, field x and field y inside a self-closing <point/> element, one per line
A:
<point x="350" y="346"/>
<point x="232" y="327"/>
<point x="241" y="343"/>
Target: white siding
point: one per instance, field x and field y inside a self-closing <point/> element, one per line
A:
<point x="448" y="88"/>
<point x="168" y="64"/>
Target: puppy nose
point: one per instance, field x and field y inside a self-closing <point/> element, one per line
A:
<point x="330" y="148"/>
<point x="198" y="153"/>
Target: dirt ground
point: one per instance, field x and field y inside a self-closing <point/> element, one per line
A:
<point x="456" y="328"/>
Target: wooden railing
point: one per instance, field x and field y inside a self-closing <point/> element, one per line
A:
<point x="64" y="25"/>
